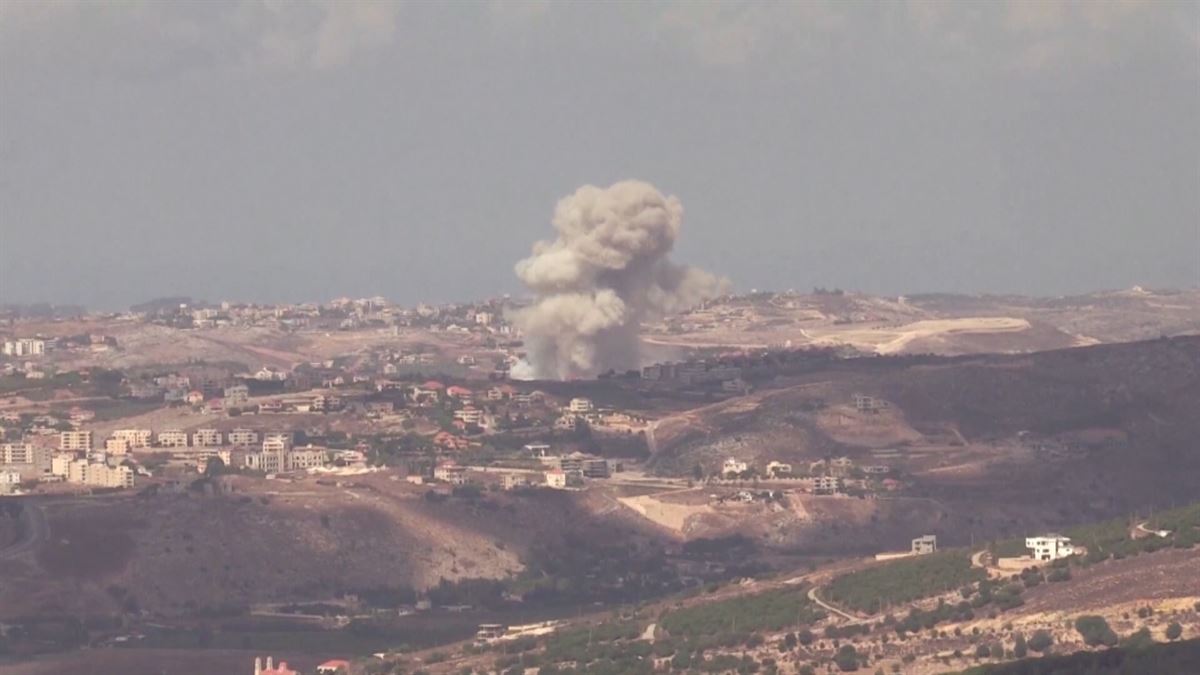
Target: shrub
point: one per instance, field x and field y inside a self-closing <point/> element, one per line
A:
<point x="1174" y="631"/>
<point x="846" y="658"/>
<point x="1040" y="641"/>
<point x="1095" y="631"/>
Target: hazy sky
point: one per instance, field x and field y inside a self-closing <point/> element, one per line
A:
<point x="285" y="150"/>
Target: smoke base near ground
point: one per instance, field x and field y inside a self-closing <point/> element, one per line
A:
<point x="607" y="271"/>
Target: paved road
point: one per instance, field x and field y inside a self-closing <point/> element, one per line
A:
<point x="35" y="529"/>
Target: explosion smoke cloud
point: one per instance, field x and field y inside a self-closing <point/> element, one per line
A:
<point x="605" y="274"/>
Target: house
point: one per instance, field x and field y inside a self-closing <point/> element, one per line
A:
<point x="537" y="450"/>
<point x="499" y="393"/>
<point x="236" y="394"/>
<point x="452" y="473"/>
<point x="734" y="467"/>
<point x="1050" y="546"/>
<point x="871" y="404"/>
<point x="512" y="481"/>
<point x="269" y="374"/>
<point x="448" y="441"/>
<point x="777" y="469"/>
<point x="194" y="397"/>
<point x="580" y="406"/>
<point x="566" y="422"/>
<point x="924" y="545"/>
<point x="430" y="392"/>
<point x="460" y="393"/>
<point x="271" y="668"/>
<point x="277" y="441"/>
<point x="827" y="485"/>
<point x="334" y="667"/>
<point x="561" y="480"/>
<point x="470" y="415"/>
<point x="10" y="481"/>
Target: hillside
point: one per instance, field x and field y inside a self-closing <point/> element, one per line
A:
<point x="992" y="444"/>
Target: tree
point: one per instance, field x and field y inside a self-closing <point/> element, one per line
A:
<point x="805" y="636"/>
<point x="846" y="658"/>
<point x="214" y="467"/>
<point x="1095" y="631"/>
<point x="1138" y="640"/>
<point x="982" y="651"/>
<point x="1174" y="631"/>
<point x="1020" y="648"/>
<point x="1040" y="641"/>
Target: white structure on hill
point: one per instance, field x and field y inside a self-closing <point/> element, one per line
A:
<point x="1050" y="547"/>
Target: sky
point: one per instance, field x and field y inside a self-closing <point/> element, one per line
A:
<point x="267" y="150"/>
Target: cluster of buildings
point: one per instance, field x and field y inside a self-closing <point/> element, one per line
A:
<point x="27" y="346"/>
<point x="25" y="462"/>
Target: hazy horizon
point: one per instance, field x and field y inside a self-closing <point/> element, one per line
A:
<point x="256" y="151"/>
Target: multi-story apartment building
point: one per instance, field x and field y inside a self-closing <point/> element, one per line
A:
<point x="116" y="446"/>
<point x="306" y="458"/>
<point x="172" y="438"/>
<point x="24" y="347"/>
<point x="267" y="461"/>
<point x="236" y="394"/>
<point x="30" y="461"/>
<point x="243" y="438"/>
<point x="98" y="474"/>
<point x="137" y="438"/>
<point x="75" y="440"/>
<point x="206" y="438"/>
<point x="276" y="441"/>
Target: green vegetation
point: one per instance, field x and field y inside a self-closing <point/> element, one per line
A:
<point x="1040" y="641"/>
<point x="1095" y="631"/>
<point x="1158" y="659"/>
<point x="745" y="614"/>
<point x="904" y="580"/>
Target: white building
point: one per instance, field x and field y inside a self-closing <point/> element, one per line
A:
<point x="450" y="472"/>
<point x="172" y="438"/>
<point x="116" y="446"/>
<point x="734" y="467"/>
<point x="306" y="458"/>
<point x="277" y="441"/>
<point x="469" y="415"/>
<point x="779" y="469"/>
<point x="206" y="438"/>
<point x="60" y="464"/>
<point x="243" y="438"/>
<point x="137" y="438"/>
<point x="1050" y="547"/>
<point x="827" y="485"/>
<point x="924" y="545"/>
<point x="580" y="405"/>
<point x="75" y="440"/>
<point x="24" y="347"/>
<point x="236" y="394"/>
<point x="10" y="481"/>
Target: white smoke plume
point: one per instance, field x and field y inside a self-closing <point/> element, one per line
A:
<point x="604" y="275"/>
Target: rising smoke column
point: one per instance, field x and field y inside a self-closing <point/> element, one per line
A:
<point x="605" y="274"/>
